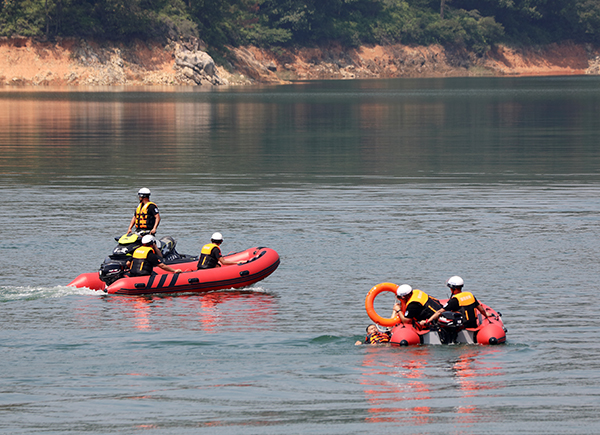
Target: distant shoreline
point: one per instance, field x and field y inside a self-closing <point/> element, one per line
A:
<point x="28" y="62"/>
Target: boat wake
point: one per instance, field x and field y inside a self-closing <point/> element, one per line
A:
<point x="8" y="294"/>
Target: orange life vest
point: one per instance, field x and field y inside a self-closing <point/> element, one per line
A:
<point x="377" y="337"/>
<point x="142" y="220"/>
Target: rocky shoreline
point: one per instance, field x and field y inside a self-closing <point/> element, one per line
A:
<point x="27" y="62"/>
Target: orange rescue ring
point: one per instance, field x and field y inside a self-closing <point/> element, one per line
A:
<point x="379" y="288"/>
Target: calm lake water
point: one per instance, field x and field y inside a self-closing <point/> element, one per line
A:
<point x="353" y="183"/>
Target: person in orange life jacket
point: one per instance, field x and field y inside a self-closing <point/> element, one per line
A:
<point x="146" y="216"/>
<point x="210" y="255"/>
<point x="375" y="336"/>
<point x="460" y="302"/>
<point x="414" y="304"/>
<point x="145" y="258"/>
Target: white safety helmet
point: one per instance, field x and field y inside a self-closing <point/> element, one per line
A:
<point x="144" y="191"/>
<point x="147" y="239"/>
<point x="403" y="290"/>
<point x="217" y="237"/>
<point x="455" y="282"/>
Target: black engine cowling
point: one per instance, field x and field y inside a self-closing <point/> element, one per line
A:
<point x="115" y="265"/>
<point x="449" y="325"/>
<point x="112" y="270"/>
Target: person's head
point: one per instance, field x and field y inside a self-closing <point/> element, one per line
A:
<point x="372" y="329"/>
<point x="143" y="193"/>
<point x="216" y="238"/>
<point x="148" y="240"/>
<point x="455" y="283"/>
<point x="404" y="291"/>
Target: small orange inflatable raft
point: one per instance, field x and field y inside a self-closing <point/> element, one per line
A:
<point x="488" y="331"/>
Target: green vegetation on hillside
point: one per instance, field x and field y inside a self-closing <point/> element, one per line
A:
<point x="474" y="24"/>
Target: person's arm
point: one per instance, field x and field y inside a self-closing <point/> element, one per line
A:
<point x="131" y="224"/>
<point x="156" y="222"/>
<point x="433" y="317"/>
<point x="155" y="261"/>
<point x="452" y="305"/>
<point x="398" y="313"/>
<point x="158" y="252"/>
<point x="482" y="311"/>
<point x="163" y="266"/>
<point x="223" y="261"/>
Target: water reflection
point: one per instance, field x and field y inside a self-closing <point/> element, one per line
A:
<point x="404" y="380"/>
<point x="207" y="312"/>
<point x="472" y="370"/>
<point x="376" y="128"/>
<point x="405" y="386"/>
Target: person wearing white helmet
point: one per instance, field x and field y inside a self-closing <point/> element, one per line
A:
<point x="210" y="255"/>
<point x="146" y="216"/>
<point x="145" y="258"/>
<point x="414" y="304"/>
<point x="460" y="302"/>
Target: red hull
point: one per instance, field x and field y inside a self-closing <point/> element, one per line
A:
<point x="487" y="332"/>
<point x="258" y="264"/>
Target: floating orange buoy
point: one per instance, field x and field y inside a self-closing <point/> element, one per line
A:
<point x="380" y="288"/>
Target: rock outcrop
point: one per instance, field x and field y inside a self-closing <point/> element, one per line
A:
<point x="198" y="66"/>
<point x="594" y="61"/>
<point x="255" y="64"/>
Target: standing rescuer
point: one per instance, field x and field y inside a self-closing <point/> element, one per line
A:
<point x="145" y="258"/>
<point x="146" y="216"/>
<point x="460" y="302"/>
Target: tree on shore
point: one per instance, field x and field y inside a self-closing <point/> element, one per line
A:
<point x="473" y="24"/>
<point x="442" y="7"/>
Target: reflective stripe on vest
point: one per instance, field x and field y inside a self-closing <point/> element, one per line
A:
<point x="465" y="299"/>
<point x="205" y="258"/>
<point x="141" y="216"/>
<point x="139" y="265"/>
<point x="207" y="249"/>
<point x="142" y="252"/>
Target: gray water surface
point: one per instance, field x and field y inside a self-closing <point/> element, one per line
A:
<point x="353" y="184"/>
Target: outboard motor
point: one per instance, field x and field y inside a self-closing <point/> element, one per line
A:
<point x="112" y="270"/>
<point x="115" y="265"/>
<point x="167" y="247"/>
<point x="450" y="324"/>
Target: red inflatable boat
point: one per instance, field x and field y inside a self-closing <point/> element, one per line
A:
<point x="488" y="331"/>
<point x="256" y="264"/>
